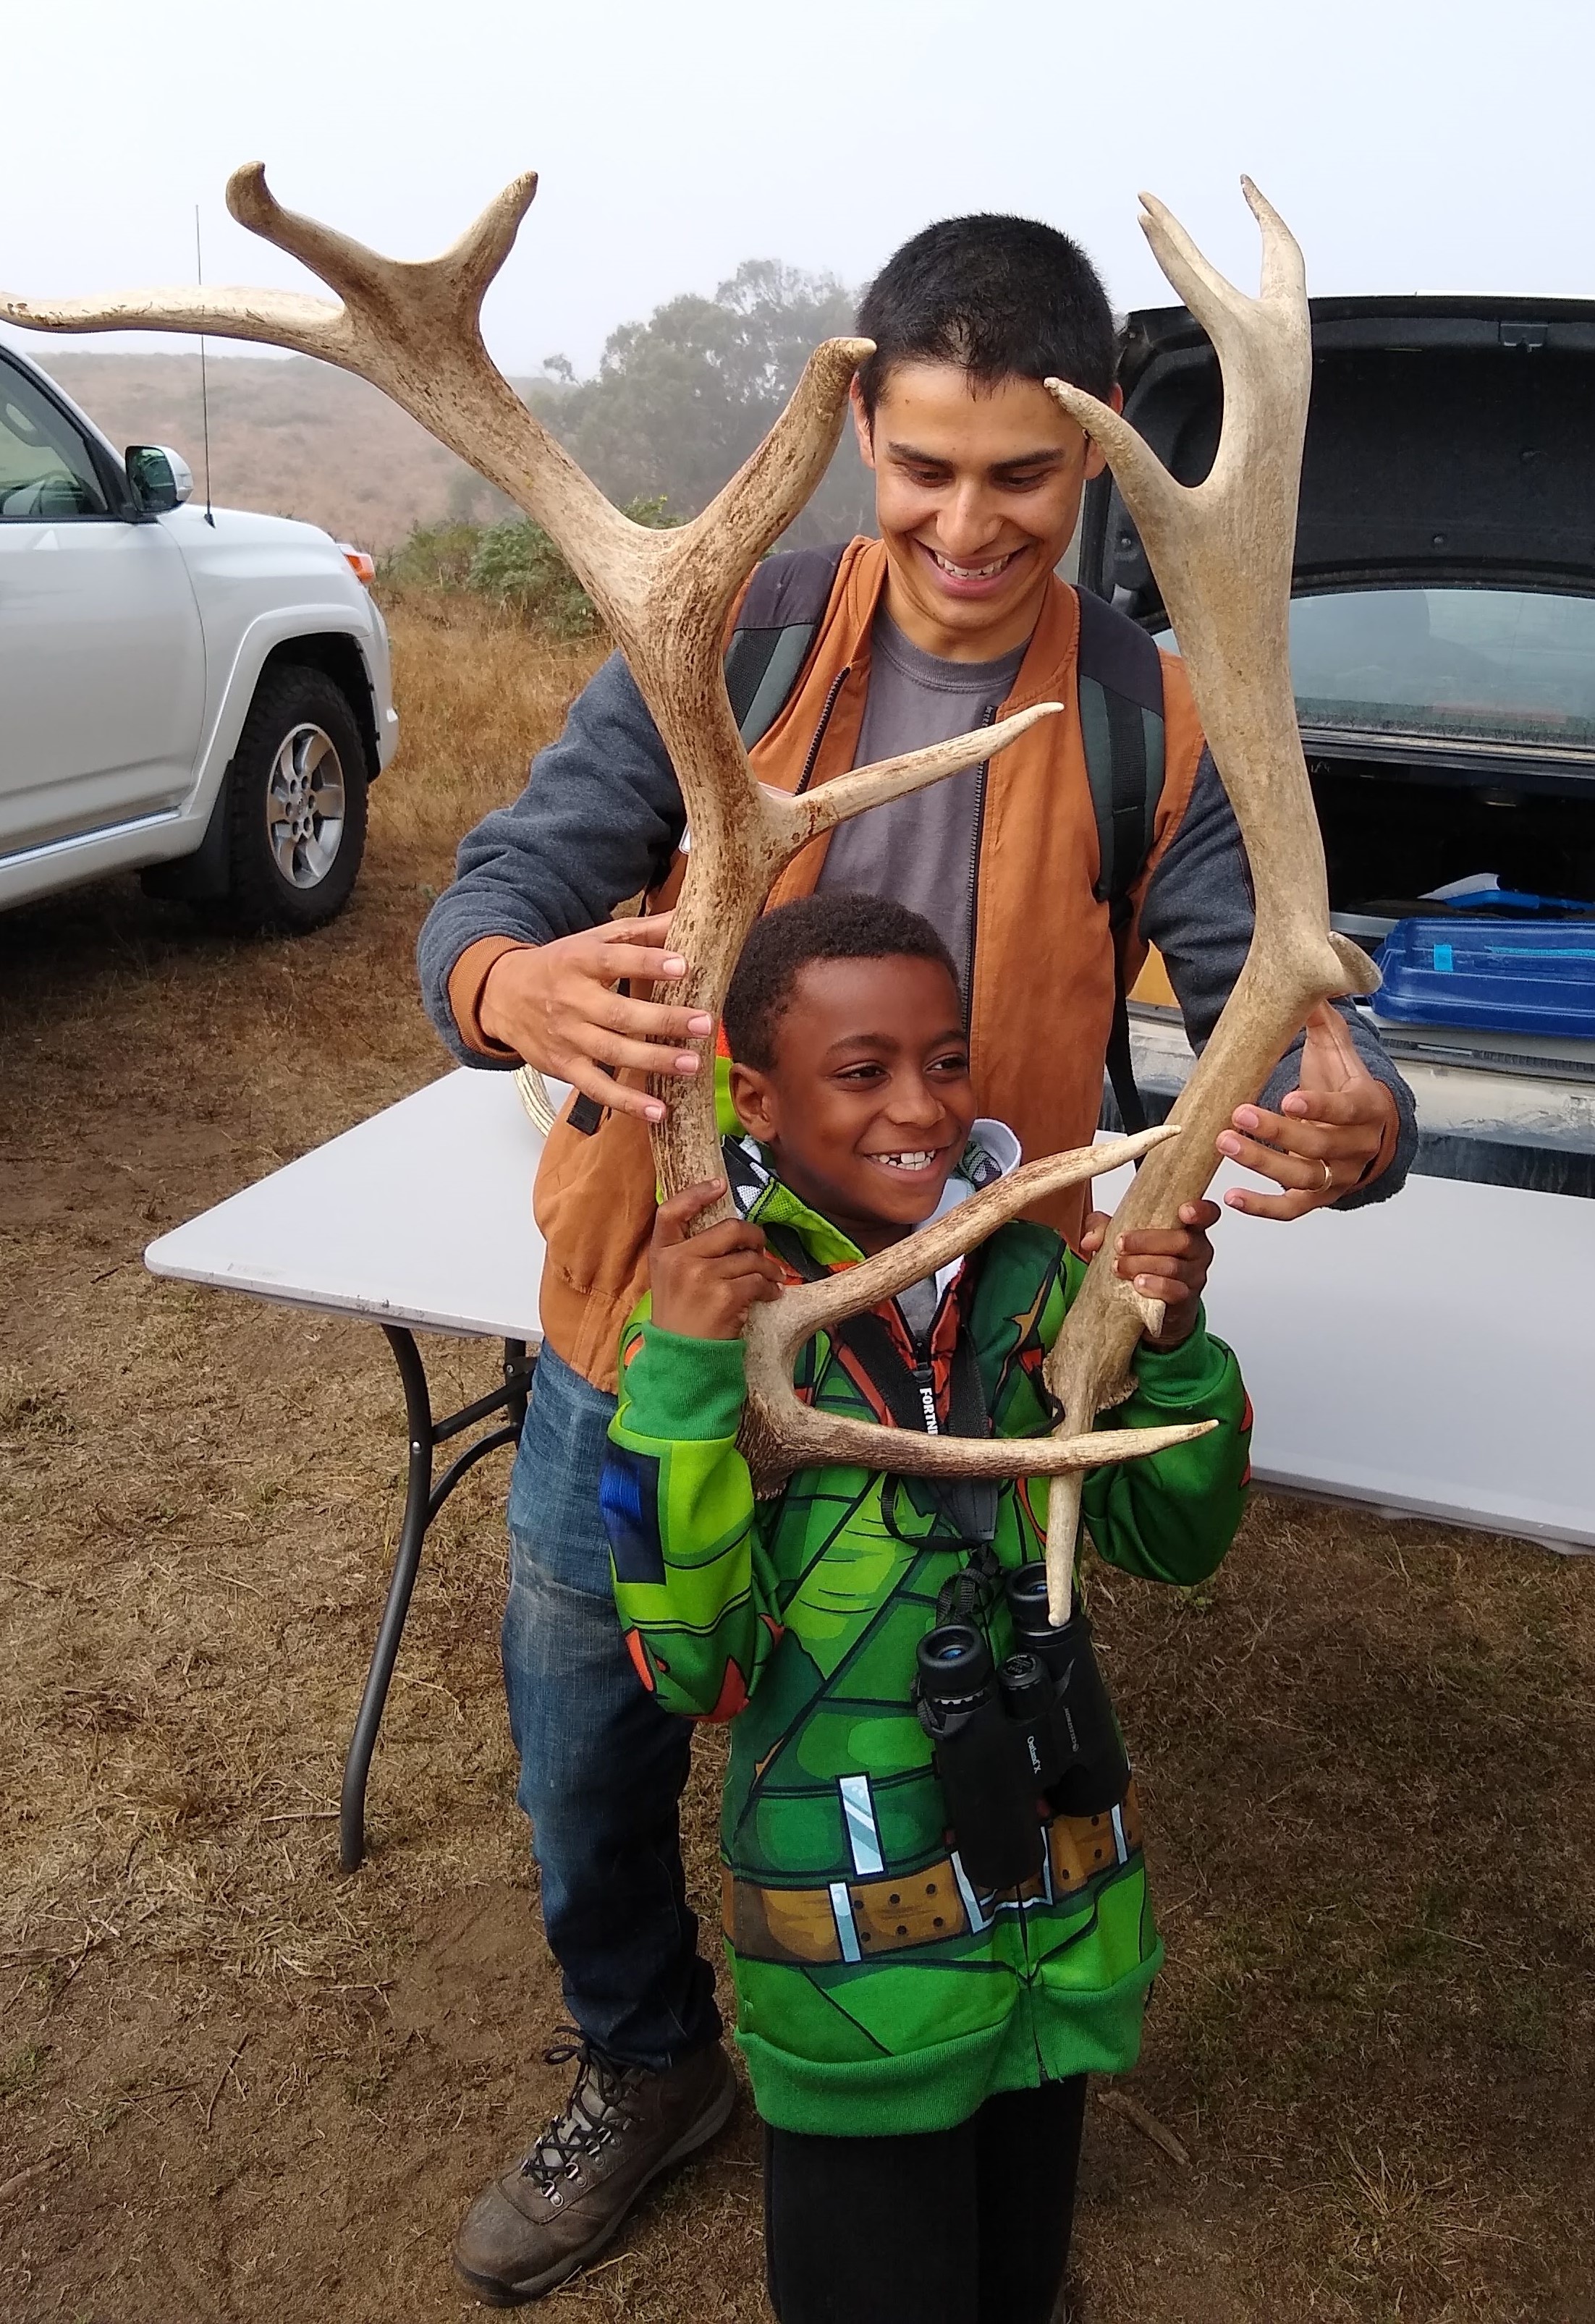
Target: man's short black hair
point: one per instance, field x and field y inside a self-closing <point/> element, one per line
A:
<point x="999" y="297"/>
<point x="838" y="925"/>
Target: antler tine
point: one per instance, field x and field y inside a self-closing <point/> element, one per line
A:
<point x="280" y="318"/>
<point x="1136" y="466"/>
<point x="1212" y="297"/>
<point x="831" y="1439"/>
<point x="412" y="329"/>
<point x="1284" y="277"/>
<point x="686" y="580"/>
<point x="813" y="1307"/>
<point x="455" y="281"/>
<point x="384" y="303"/>
<point x="845" y="796"/>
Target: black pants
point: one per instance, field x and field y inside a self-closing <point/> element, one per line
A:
<point x="968" y="2225"/>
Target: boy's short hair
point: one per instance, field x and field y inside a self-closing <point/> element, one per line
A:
<point x="998" y="295"/>
<point x="838" y="925"/>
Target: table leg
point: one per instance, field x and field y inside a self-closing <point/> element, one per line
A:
<point x="422" y="1501"/>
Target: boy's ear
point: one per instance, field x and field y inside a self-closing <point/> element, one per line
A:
<point x="754" y="1099"/>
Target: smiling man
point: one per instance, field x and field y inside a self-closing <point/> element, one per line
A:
<point x="1047" y="874"/>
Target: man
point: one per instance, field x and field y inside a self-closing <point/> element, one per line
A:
<point x="954" y="617"/>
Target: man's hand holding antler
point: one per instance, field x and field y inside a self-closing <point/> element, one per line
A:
<point x="556" y="1005"/>
<point x="1335" y="1131"/>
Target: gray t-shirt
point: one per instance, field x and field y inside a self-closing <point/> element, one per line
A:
<point x="920" y="850"/>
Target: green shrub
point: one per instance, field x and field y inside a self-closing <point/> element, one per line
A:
<point x="514" y="563"/>
<point x="517" y="565"/>
<point x="434" y="557"/>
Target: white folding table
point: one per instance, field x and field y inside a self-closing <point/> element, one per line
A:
<point x="1431" y="1355"/>
<point x="418" y="1220"/>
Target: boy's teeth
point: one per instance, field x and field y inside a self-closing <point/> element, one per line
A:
<point x="907" y="1161"/>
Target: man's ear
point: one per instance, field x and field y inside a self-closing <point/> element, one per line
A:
<point x="755" y="1102"/>
<point x="862" y="426"/>
<point x="1096" y="459"/>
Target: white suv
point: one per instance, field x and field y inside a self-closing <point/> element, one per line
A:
<point x="202" y="695"/>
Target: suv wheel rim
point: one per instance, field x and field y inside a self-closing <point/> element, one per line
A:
<point x="305" y="806"/>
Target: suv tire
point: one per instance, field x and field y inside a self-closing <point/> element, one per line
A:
<point x="296" y="809"/>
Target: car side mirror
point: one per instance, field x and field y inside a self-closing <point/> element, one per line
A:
<point x="157" y="478"/>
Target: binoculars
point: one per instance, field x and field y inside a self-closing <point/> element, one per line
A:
<point x="1016" y="1746"/>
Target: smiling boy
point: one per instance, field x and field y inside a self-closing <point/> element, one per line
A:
<point x="955" y="616"/>
<point x="917" y="2030"/>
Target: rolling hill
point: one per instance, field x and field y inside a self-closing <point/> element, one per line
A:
<point x="292" y="437"/>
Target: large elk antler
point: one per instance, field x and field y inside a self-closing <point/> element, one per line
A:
<point x="1221" y="552"/>
<point x="665" y="597"/>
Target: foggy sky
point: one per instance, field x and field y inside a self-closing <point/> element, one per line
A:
<point x="1411" y="145"/>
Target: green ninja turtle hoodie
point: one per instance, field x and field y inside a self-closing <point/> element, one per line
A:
<point x="877" y="1990"/>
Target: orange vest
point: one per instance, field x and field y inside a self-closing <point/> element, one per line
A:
<point x="1037" y="1036"/>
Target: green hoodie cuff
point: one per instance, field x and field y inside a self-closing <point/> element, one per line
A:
<point x="683" y="1390"/>
<point x="1175" y="1379"/>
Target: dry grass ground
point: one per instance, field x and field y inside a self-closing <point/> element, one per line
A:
<point x="234" y="2086"/>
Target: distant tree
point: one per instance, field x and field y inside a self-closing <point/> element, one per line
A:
<point x="471" y="500"/>
<point x="680" y="401"/>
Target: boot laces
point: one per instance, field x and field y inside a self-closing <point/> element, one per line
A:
<point x="593" y="2113"/>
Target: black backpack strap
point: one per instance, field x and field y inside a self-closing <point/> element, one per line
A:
<point x="1120" y="685"/>
<point x="781" y="613"/>
<point x="1120" y="681"/>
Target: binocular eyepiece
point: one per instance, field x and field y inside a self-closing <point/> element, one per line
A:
<point x="954" y="1665"/>
<point x="1017" y="1745"/>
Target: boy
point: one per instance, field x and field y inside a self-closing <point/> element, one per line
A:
<point x="917" y="2034"/>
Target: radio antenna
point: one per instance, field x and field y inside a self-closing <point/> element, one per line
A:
<point x="204" y="382"/>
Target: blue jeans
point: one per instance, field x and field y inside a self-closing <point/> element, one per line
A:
<point x="601" y="1767"/>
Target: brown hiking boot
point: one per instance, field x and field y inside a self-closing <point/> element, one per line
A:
<point x="621" y="2129"/>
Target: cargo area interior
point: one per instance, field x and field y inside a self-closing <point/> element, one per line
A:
<point x="1392" y="839"/>
<point x="1442" y="647"/>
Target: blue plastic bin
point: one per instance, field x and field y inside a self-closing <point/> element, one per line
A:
<point x="1503" y="976"/>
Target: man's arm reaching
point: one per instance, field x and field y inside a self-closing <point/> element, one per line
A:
<point x="1336" y="1098"/>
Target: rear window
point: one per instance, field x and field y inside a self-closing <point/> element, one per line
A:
<point x="1493" y="665"/>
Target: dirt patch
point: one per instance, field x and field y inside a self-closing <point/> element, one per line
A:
<point x="234" y="2086"/>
